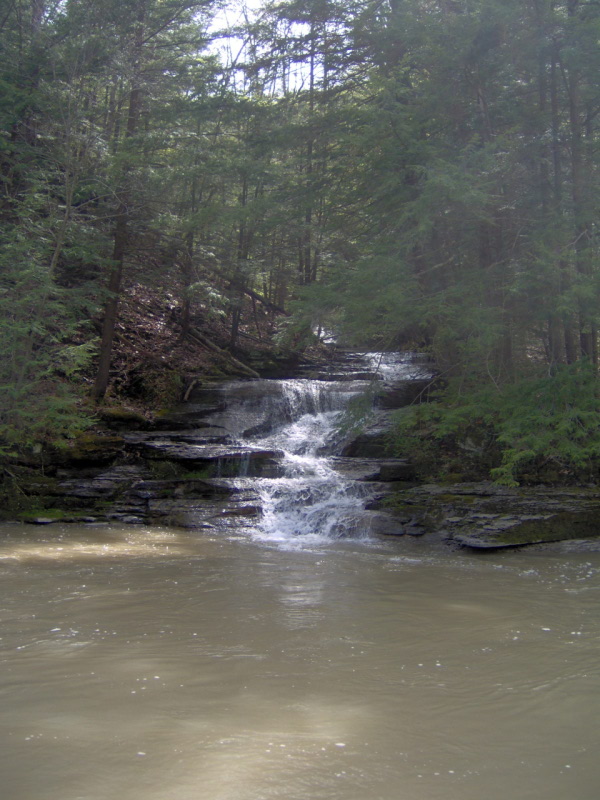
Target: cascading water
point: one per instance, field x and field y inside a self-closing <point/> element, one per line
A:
<point x="310" y="500"/>
<point x="281" y="437"/>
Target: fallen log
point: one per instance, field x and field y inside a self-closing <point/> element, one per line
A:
<point x="200" y="338"/>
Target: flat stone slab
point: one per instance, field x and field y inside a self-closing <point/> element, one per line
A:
<point x="484" y="516"/>
<point x="527" y="530"/>
<point x="188" y="416"/>
<point x="218" y="512"/>
<point x="374" y="469"/>
<point x="197" y="436"/>
<point x="347" y="376"/>
<point x="186" y="487"/>
<point x="181" y="451"/>
<point x="106" y="484"/>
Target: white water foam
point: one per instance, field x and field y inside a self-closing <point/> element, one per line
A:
<point x="311" y="503"/>
<point x="398" y="366"/>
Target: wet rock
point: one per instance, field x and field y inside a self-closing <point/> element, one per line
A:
<point x="397" y="470"/>
<point x="375" y="469"/>
<point x="220" y="459"/>
<point x="176" y="445"/>
<point x="370" y="444"/>
<point x="390" y="523"/>
<point x="484" y="516"/>
<point x="92" y="450"/>
<point x="210" y="503"/>
<point x="373" y="440"/>
<point x="175" y="489"/>
<point x="206" y="434"/>
<point x="381" y="524"/>
<point x="102" y="485"/>
<point x="403" y="393"/>
<point x="347" y="376"/>
<point x="241" y="511"/>
<point x="189" y="416"/>
<point x="220" y="514"/>
<point x="122" y="418"/>
<point x="532" y="529"/>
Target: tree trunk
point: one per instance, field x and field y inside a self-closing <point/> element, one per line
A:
<point x="570" y="345"/>
<point x="112" y="305"/>
<point x="188" y="257"/>
<point x="579" y="196"/>
<point x="121" y="234"/>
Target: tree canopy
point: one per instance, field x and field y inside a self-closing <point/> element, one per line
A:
<point x="408" y="174"/>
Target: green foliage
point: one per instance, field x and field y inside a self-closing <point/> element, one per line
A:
<point x="73" y="359"/>
<point x="552" y="419"/>
<point x="295" y="334"/>
<point x="357" y="412"/>
<point x="403" y="174"/>
<point x="318" y="306"/>
<point x="535" y="428"/>
<point x="25" y="491"/>
<point x="37" y="318"/>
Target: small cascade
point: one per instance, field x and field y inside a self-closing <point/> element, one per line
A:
<point x="282" y="445"/>
<point x="269" y="457"/>
<point x="311" y="499"/>
<point x="305" y="397"/>
<point x="306" y="499"/>
<point x="255" y="409"/>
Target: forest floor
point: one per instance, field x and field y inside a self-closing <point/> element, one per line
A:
<point x="154" y="361"/>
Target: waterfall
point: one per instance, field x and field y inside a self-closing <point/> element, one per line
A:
<point x="282" y="439"/>
<point x="310" y="502"/>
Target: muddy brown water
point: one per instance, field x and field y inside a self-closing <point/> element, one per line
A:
<point x="157" y="664"/>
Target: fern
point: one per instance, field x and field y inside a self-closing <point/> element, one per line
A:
<point x="528" y="424"/>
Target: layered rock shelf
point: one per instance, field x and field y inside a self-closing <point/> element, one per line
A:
<point x="484" y="516"/>
<point x="202" y="465"/>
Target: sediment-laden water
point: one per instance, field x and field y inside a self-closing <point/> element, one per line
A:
<point x="157" y="664"/>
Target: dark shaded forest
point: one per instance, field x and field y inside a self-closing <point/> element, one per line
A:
<point x="407" y="174"/>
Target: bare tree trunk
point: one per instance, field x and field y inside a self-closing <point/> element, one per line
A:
<point x="121" y="234"/>
<point x="237" y="283"/>
<point x="579" y="197"/>
<point x="188" y="257"/>
<point x="112" y="304"/>
<point x="307" y="255"/>
<point x="555" y="343"/>
<point x="570" y="345"/>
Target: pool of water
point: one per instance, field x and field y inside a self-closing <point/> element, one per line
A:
<point x="158" y="664"/>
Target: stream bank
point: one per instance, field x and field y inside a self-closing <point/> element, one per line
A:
<point x="289" y="457"/>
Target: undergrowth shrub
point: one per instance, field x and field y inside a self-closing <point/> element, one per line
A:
<point x="542" y="427"/>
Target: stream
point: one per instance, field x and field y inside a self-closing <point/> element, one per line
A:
<point x="156" y="664"/>
<point x="295" y="655"/>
